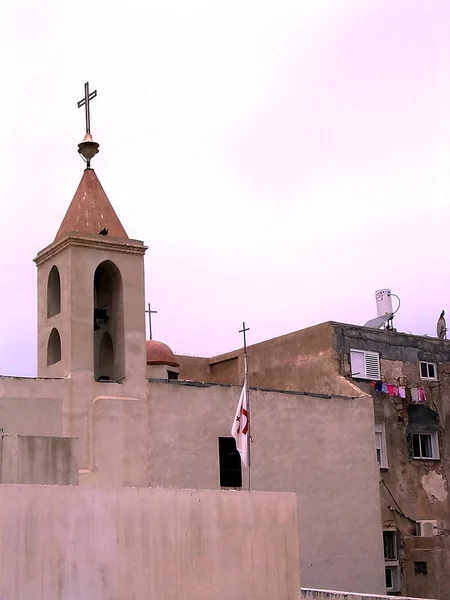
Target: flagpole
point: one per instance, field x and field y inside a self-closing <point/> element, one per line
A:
<point x="247" y="394"/>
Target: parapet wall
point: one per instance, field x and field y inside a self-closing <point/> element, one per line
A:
<point x="309" y="594"/>
<point x="82" y="543"/>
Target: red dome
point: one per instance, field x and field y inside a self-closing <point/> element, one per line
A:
<point x="160" y="354"/>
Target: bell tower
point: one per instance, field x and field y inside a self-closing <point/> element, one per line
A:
<point x="91" y="313"/>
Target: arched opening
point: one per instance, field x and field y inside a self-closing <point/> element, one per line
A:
<point x="106" y="358"/>
<point x="53" y="347"/>
<point x="53" y="293"/>
<point x="109" y="363"/>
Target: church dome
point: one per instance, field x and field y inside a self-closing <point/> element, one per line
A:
<point x="159" y="353"/>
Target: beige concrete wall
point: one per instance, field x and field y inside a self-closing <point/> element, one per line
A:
<point x="32" y="406"/>
<point x="308" y="594"/>
<point x="78" y="543"/>
<point x="38" y="460"/>
<point x="321" y="449"/>
<point x="435" y="552"/>
<point x="303" y="360"/>
<point x="117" y="439"/>
<point x="195" y="368"/>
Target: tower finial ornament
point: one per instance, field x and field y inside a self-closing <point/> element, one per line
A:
<point x="87" y="148"/>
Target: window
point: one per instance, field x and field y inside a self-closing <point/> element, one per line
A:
<point x="53" y="293"/>
<point x="392" y="578"/>
<point x="364" y="364"/>
<point x="420" y="568"/>
<point x="229" y="463"/>
<point x="428" y="370"/>
<point x="380" y="444"/>
<point x="390" y="544"/>
<point x="425" y="445"/>
<point x="53" y="347"/>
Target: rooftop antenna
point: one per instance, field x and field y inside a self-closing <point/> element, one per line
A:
<point x="441" y="327"/>
<point x="385" y="311"/>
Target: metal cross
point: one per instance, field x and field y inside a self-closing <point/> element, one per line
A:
<point x="150" y="313"/>
<point x="85" y="102"/>
<point x="243" y="330"/>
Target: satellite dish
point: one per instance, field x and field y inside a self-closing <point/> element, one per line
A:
<point x="378" y="322"/>
<point x="441" y="327"/>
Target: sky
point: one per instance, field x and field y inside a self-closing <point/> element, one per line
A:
<point x="282" y="159"/>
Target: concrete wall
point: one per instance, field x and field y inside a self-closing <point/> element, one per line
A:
<point x="321" y="449"/>
<point x="302" y="360"/>
<point x="308" y="594"/>
<point x="411" y="489"/>
<point x="31" y="406"/>
<point x="38" y="460"/>
<point x="78" y="543"/>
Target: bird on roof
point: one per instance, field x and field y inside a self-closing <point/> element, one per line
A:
<point x="104" y="231"/>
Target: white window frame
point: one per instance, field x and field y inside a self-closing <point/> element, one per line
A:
<point x="426" y="362"/>
<point x="434" y="445"/>
<point x="367" y="357"/>
<point x="395" y="577"/>
<point x="391" y="561"/>
<point x="380" y="444"/>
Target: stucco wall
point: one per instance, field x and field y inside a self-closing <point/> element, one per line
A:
<point x="411" y="489"/>
<point x="38" y="459"/>
<point x="32" y="406"/>
<point x="78" y="543"/>
<point x="321" y="449"/>
<point x="301" y="360"/>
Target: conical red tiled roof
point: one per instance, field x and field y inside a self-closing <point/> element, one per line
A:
<point x="90" y="210"/>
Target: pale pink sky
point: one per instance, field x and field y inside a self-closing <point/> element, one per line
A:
<point x="281" y="159"/>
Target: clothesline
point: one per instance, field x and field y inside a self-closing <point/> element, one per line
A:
<point x="415" y="395"/>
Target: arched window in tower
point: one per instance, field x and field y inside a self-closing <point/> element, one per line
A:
<point x="53" y="293"/>
<point x="109" y="359"/>
<point x="106" y="358"/>
<point x="53" y="347"/>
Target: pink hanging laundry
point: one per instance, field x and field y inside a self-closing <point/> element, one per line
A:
<point x="402" y="392"/>
<point x="422" y="397"/>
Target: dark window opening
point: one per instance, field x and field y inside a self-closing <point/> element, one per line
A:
<point x="230" y="468"/>
<point x="53" y="293"/>
<point x="53" y="347"/>
<point x="389" y="578"/>
<point x="390" y="545"/>
<point x="172" y="375"/>
<point x="420" y="568"/>
<point x="108" y="324"/>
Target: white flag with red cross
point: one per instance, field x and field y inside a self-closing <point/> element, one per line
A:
<point x="240" y="426"/>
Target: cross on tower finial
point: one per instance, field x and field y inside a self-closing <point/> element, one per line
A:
<point x="88" y="148"/>
<point x="85" y="102"/>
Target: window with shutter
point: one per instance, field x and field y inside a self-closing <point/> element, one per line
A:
<point x="372" y="365"/>
<point x="365" y="364"/>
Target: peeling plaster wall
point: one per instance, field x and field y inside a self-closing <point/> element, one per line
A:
<point x="411" y="489"/>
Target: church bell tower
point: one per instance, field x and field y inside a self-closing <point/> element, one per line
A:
<point x="91" y="313"/>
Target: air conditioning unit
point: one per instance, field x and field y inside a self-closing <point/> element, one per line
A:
<point x="427" y="528"/>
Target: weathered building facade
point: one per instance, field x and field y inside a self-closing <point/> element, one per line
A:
<point x="407" y="377"/>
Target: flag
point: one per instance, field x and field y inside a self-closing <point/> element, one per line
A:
<point x="240" y="426"/>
